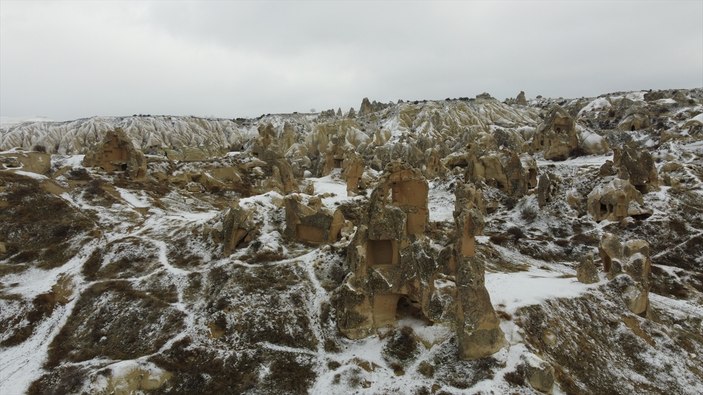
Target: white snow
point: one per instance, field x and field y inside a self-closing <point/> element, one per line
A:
<point x="29" y="174"/>
<point x="510" y="291"/>
<point x="597" y="104"/>
<point x="135" y="199"/>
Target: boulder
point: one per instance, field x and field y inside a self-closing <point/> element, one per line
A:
<point x="539" y="373"/>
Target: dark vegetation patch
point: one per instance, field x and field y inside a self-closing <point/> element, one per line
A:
<point x="458" y="373"/>
<point x="261" y="304"/>
<point x="124" y="258"/>
<point x="38" y="227"/>
<point x="402" y="346"/>
<point x="66" y="379"/>
<point x="113" y="320"/>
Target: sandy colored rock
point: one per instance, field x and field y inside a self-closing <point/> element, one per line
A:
<point x="502" y="169"/>
<point x="308" y="221"/>
<point x="615" y="200"/>
<point x="556" y="136"/>
<point x="117" y="153"/>
<point x="237" y="227"/>
<point x="478" y="327"/>
<point x="586" y="271"/>
<point x="632" y="259"/>
<point x="352" y="170"/>
<point x="539" y="373"/>
<point x="636" y="165"/>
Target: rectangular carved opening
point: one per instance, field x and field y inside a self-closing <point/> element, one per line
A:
<point x="382" y="252"/>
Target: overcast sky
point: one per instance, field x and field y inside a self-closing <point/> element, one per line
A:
<point x="67" y="60"/>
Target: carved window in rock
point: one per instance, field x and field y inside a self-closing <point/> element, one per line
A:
<point x="382" y="252"/>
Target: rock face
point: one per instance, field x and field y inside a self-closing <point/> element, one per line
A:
<point x="386" y="266"/>
<point x="615" y="200"/>
<point x="502" y="169"/>
<point x="636" y="165"/>
<point x="309" y="222"/>
<point x="237" y="227"/>
<point x="393" y="275"/>
<point x="586" y="271"/>
<point x="352" y="170"/>
<point x="556" y="136"/>
<point x="630" y="259"/>
<point x="117" y="153"/>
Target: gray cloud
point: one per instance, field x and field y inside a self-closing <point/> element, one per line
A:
<point x="75" y="59"/>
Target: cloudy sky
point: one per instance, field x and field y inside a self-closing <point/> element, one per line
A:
<point x="66" y="60"/>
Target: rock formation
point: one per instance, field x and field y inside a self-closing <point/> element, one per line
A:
<point x="352" y="170"/>
<point x="237" y="227"/>
<point x="631" y="259"/>
<point x="117" y="153"/>
<point x="502" y="170"/>
<point x="478" y="327"/>
<point x="308" y="221"/>
<point x="615" y="200"/>
<point x="556" y="136"/>
<point x="636" y="164"/>
<point x="393" y="274"/>
<point x="586" y="271"/>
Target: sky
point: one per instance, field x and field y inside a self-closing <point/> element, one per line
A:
<point x="72" y="59"/>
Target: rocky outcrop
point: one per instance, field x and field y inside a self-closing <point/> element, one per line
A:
<point x="352" y="170"/>
<point x="586" y="271"/>
<point x="117" y="154"/>
<point x="556" y="136"/>
<point x="478" y="327"/>
<point x="309" y="222"/>
<point x="237" y="227"/>
<point x="631" y="259"/>
<point x="615" y="200"/>
<point x="390" y="274"/>
<point x="636" y="164"/>
<point x="502" y="169"/>
<point x="394" y="274"/>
